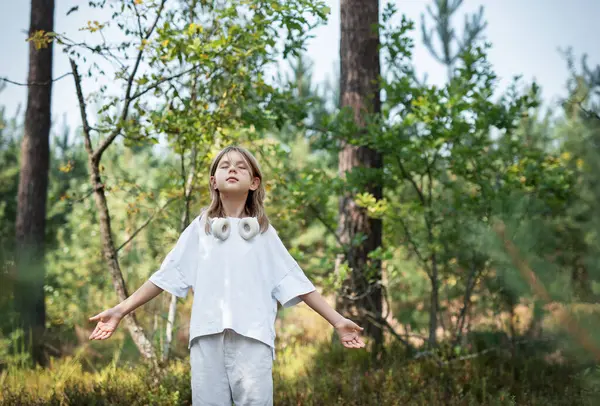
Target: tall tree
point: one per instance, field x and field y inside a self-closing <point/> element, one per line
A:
<point x="359" y="92"/>
<point x="33" y="182"/>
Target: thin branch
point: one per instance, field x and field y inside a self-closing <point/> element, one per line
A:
<point x="161" y="81"/>
<point x="46" y="83"/>
<point x="183" y="173"/>
<point x="140" y="93"/>
<point x="322" y="130"/>
<point x="84" y="119"/>
<point x="386" y="299"/>
<point x="107" y="48"/>
<point x="589" y="113"/>
<point x="104" y="51"/>
<point x="139" y="21"/>
<point x="326" y="224"/>
<point x="148" y="220"/>
<point x="471" y="281"/>
<point x="411" y="180"/>
<point x="414" y="244"/>
<point x="82" y="198"/>
<point x="379" y="322"/>
<point x="363" y="295"/>
<point x="102" y="147"/>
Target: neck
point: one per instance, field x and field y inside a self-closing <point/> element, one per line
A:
<point x="234" y="206"/>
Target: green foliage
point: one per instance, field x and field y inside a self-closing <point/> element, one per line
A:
<point x="141" y="185"/>
<point x="10" y="135"/>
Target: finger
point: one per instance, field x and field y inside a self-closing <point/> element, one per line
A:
<point x="98" y="334"/>
<point x="104" y="335"/>
<point x="95" y="333"/>
<point x="95" y="318"/>
<point x="101" y="331"/>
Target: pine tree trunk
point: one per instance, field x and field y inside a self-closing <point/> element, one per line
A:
<point x="33" y="184"/>
<point x="359" y="86"/>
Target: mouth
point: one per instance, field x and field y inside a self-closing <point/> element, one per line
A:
<point x="231" y="178"/>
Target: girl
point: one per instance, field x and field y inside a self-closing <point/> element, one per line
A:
<point x="238" y="269"/>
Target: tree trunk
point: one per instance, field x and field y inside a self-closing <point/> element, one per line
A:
<point x="33" y="184"/>
<point x="359" y="86"/>
<point x="108" y="246"/>
<point x="110" y="255"/>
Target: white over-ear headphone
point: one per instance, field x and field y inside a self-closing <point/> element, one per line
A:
<point x="248" y="227"/>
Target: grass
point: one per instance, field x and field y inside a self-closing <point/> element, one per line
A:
<point x="309" y="370"/>
<point x="319" y="374"/>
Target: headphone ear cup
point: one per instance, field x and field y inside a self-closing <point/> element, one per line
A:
<point x="220" y="228"/>
<point x="248" y="227"/>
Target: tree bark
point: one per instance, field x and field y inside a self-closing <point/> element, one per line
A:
<point x="33" y="184"/>
<point x="359" y="91"/>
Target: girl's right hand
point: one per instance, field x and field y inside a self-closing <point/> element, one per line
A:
<point x="108" y="321"/>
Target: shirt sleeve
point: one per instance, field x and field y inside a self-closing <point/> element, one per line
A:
<point x="290" y="280"/>
<point x="176" y="273"/>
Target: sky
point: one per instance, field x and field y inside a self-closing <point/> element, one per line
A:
<point x="526" y="36"/>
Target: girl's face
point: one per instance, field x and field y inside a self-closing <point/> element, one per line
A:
<point x="233" y="175"/>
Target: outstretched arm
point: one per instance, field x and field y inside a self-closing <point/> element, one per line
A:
<point x="109" y="319"/>
<point x="347" y="330"/>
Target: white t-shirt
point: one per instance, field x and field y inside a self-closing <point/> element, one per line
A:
<point x="236" y="282"/>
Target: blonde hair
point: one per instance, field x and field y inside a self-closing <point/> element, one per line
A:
<point x="254" y="206"/>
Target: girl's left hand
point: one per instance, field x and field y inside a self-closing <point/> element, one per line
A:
<point x="348" y="331"/>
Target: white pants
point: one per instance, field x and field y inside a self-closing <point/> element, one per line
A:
<point x="230" y="367"/>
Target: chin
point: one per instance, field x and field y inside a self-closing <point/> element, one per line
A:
<point x="235" y="188"/>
